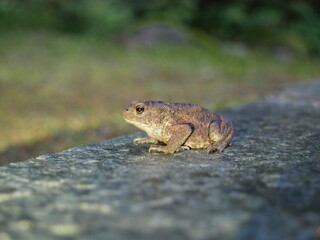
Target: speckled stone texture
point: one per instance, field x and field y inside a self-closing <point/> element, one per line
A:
<point x="265" y="186"/>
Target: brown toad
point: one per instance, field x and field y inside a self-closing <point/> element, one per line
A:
<point x="179" y="125"/>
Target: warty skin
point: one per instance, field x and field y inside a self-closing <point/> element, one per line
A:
<point x="175" y="126"/>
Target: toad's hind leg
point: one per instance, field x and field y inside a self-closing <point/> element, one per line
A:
<point x="221" y="133"/>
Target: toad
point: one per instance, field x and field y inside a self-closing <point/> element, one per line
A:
<point x="174" y="126"/>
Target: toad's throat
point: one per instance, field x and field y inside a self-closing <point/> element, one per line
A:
<point x="154" y="131"/>
<point x="140" y="125"/>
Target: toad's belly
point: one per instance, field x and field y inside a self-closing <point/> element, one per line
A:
<point x="199" y="139"/>
<point x="197" y="144"/>
<point x="159" y="133"/>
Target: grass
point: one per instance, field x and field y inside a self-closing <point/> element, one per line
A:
<point x="52" y="84"/>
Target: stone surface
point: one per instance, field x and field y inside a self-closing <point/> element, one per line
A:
<point x="265" y="186"/>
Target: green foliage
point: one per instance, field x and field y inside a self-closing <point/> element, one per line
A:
<point x="97" y="17"/>
<point x="15" y="14"/>
<point x="178" y="10"/>
<point x="307" y="25"/>
<point x="291" y="23"/>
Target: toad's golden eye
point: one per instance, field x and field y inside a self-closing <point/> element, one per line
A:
<point x="139" y="109"/>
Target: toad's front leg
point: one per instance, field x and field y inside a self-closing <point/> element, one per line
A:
<point x="145" y="140"/>
<point x="179" y="135"/>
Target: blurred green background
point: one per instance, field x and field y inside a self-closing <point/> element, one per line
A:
<point x="69" y="67"/>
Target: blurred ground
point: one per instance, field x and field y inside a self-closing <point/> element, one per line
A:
<point x="59" y="90"/>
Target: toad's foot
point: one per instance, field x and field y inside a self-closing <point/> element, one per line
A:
<point x="219" y="147"/>
<point x="184" y="148"/>
<point x="145" y="140"/>
<point x="165" y="149"/>
<point x="160" y="148"/>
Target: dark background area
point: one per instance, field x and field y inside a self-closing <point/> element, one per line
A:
<point x="291" y="23"/>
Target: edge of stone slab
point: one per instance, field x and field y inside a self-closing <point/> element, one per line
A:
<point x="125" y="139"/>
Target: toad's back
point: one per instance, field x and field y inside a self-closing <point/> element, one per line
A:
<point x="189" y="113"/>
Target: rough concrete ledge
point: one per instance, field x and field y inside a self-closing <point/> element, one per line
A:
<point x="265" y="186"/>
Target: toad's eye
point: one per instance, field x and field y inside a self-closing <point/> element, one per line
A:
<point x="139" y="110"/>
